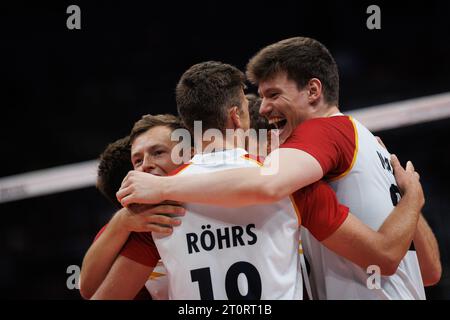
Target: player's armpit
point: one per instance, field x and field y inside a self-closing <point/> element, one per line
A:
<point x="124" y="280"/>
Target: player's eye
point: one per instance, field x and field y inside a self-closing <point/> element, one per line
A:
<point x="158" y="153"/>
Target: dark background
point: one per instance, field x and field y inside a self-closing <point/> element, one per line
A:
<point x="66" y="94"/>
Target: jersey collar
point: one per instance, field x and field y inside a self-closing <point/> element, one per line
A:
<point x="219" y="156"/>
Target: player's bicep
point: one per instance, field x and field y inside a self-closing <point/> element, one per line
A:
<point x="356" y="242"/>
<point x="292" y="169"/>
<point x="123" y="281"/>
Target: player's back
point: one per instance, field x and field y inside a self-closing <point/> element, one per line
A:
<point x="232" y="253"/>
<point x="369" y="189"/>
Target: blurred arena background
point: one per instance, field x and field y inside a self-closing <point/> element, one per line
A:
<point x="67" y="93"/>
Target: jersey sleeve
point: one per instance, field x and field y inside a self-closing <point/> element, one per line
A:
<point x="331" y="141"/>
<point x="320" y="210"/>
<point x="141" y="248"/>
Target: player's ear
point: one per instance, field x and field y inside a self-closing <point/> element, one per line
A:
<point x="314" y="90"/>
<point x="234" y="116"/>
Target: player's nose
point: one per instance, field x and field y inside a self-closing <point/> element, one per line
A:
<point x="148" y="165"/>
<point x="265" y="108"/>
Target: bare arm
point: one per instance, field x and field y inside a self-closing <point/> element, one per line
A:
<point x="427" y="250"/>
<point x="102" y="253"/>
<point x="387" y="247"/>
<point x="284" y="171"/>
<point x="123" y="281"/>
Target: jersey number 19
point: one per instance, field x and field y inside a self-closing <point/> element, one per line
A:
<point x="203" y="277"/>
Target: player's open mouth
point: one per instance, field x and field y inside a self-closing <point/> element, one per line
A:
<point x="278" y="122"/>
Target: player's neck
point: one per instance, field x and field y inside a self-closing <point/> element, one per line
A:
<point x="325" y="111"/>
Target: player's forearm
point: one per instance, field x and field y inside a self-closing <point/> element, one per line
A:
<point x="281" y="175"/>
<point x="123" y="281"/>
<point x="100" y="257"/>
<point x="225" y="188"/>
<point x="398" y="229"/>
<point x="427" y="250"/>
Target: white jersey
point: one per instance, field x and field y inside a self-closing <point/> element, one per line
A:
<point x="232" y="253"/>
<point x="369" y="190"/>
<point x="158" y="284"/>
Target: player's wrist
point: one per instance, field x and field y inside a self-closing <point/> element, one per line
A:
<point x="412" y="195"/>
<point x="120" y="221"/>
<point x="166" y="188"/>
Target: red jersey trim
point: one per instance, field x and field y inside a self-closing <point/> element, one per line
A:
<point x="345" y="211"/>
<point x="179" y="169"/>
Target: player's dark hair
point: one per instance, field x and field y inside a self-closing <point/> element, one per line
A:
<point x="206" y="91"/>
<point x="149" y="121"/>
<point x="302" y="59"/>
<point x="114" y="165"/>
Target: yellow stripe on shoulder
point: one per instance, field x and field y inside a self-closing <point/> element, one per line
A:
<point x="355" y="153"/>
<point x="247" y="157"/>
<point x="297" y="211"/>
<point x="156" y="275"/>
<point x="181" y="169"/>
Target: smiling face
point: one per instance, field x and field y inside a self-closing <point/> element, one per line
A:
<point x="151" y="151"/>
<point x="283" y="104"/>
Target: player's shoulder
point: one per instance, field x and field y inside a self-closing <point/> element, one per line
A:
<point x="325" y="122"/>
<point x="328" y="126"/>
<point x="328" y="121"/>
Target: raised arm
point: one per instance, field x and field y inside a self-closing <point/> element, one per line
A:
<point x="101" y="255"/>
<point x="387" y="246"/>
<point x="284" y="171"/>
<point x="427" y="250"/>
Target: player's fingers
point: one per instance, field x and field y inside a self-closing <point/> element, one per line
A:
<point x="171" y="202"/>
<point x="396" y="164"/>
<point x="151" y="227"/>
<point x="409" y="167"/>
<point x="138" y="208"/>
<point x="417" y="175"/>
<point x="128" y="200"/>
<point x="125" y="180"/>
<point x="160" y="219"/>
<point x="123" y="192"/>
<point x="167" y="209"/>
